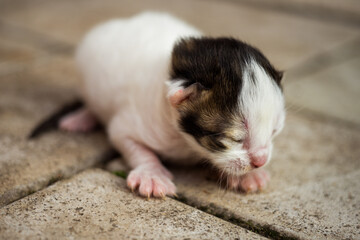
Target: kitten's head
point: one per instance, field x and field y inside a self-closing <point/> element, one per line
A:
<point x="229" y="99"/>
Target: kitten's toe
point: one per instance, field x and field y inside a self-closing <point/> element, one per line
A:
<point x="151" y="182"/>
<point x="253" y="181"/>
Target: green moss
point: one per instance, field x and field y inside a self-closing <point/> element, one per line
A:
<point x="121" y="174"/>
<point x="29" y="192"/>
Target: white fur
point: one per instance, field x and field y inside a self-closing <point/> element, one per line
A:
<point x="125" y="63"/>
<point x="262" y="106"/>
<point x="174" y="86"/>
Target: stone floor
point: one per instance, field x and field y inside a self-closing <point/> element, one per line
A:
<point x="59" y="185"/>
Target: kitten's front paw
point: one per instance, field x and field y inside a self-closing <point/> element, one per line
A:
<point x="151" y="180"/>
<point x="253" y="181"/>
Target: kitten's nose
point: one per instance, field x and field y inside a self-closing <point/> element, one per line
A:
<point x="259" y="156"/>
<point x="259" y="161"/>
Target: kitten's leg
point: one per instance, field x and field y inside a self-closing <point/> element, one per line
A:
<point x="81" y="120"/>
<point x="250" y="182"/>
<point x="149" y="176"/>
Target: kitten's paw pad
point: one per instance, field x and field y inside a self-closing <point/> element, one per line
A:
<point x="151" y="182"/>
<point x="79" y="121"/>
<point x="253" y="181"/>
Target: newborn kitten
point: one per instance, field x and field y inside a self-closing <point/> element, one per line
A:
<point x="165" y="91"/>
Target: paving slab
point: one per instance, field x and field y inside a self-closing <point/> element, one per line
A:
<point x="349" y="6"/>
<point x="314" y="192"/>
<point x="324" y="209"/>
<point x="344" y="12"/>
<point x="287" y="40"/>
<point x="333" y="91"/>
<point x="341" y="53"/>
<point x="97" y="205"/>
<point x="26" y="99"/>
<point x="31" y="38"/>
<point x="15" y="57"/>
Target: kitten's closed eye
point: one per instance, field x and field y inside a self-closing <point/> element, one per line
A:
<point x="240" y="140"/>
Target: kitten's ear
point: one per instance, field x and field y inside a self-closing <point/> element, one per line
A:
<point x="177" y="94"/>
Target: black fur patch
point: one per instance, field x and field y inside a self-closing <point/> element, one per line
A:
<point x="216" y="64"/>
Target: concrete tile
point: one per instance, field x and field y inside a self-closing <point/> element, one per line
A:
<point x="10" y="55"/>
<point x="60" y="71"/>
<point x="326" y="209"/>
<point x="28" y="37"/>
<point x="26" y="98"/>
<point x="309" y="150"/>
<point x="314" y="192"/>
<point x="349" y="6"/>
<point x="32" y="95"/>
<point x="333" y="91"/>
<point x="96" y="205"/>
<point x="336" y="56"/>
<point x="28" y="166"/>
<point x="339" y="12"/>
<point x="16" y="57"/>
<point x="22" y="49"/>
<point x="287" y="40"/>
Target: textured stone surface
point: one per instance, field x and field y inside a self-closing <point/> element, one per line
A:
<point x="341" y="53"/>
<point x="333" y="91"/>
<point x="314" y="189"/>
<point x="287" y="40"/>
<point x="96" y="205"/>
<point x="345" y="6"/>
<point x="26" y="165"/>
<point x="345" y="12"/>
<point x="16" y="57"/>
